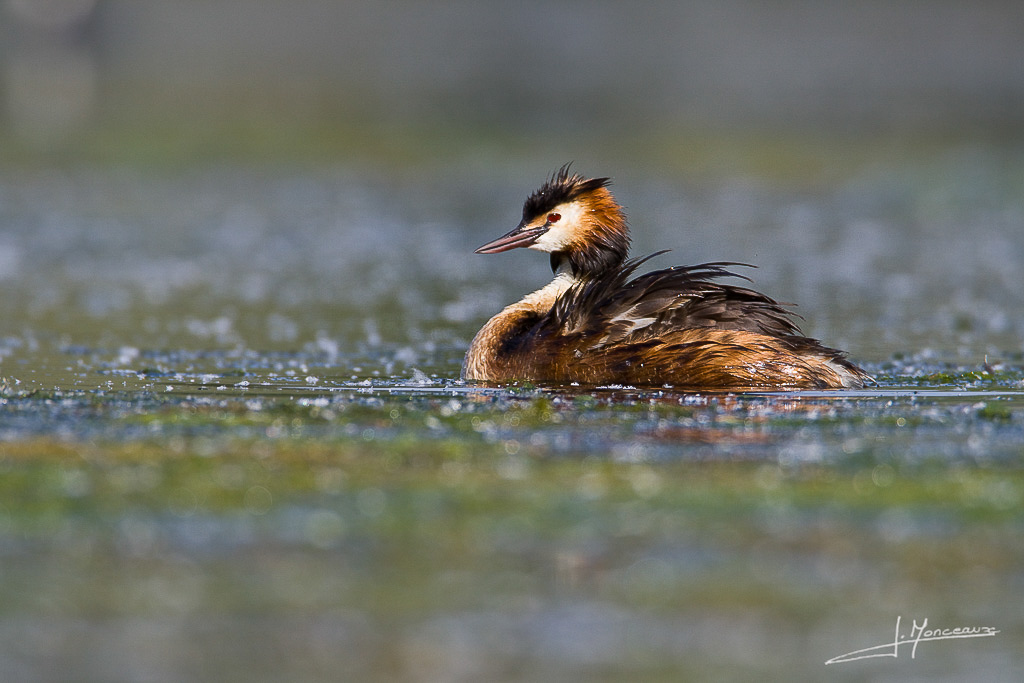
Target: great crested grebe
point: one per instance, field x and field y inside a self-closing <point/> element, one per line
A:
<point x="594" y="325"/>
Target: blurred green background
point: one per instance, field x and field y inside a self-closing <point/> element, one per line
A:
<point x="189" y="81"/>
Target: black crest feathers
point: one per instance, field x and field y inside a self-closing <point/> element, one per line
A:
<point x="560" y="188"/>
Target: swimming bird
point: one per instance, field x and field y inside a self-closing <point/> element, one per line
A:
<point x="597" y="324"/>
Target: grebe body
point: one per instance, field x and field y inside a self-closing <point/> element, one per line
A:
<point x="597" y="324"/>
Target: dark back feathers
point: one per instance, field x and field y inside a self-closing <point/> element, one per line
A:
<point x="612" y="308"/>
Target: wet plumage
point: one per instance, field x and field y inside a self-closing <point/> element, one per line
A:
<point x="596" y="323"/>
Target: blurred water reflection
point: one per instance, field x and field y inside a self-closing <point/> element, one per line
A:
<point x="919" y="258"/>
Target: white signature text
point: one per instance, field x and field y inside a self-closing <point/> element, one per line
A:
<point x="919" y="633"/>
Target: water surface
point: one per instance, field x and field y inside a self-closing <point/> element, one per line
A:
<point x="233" y="441"/>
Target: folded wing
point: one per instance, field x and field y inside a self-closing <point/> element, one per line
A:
<point x="612" y="309"/>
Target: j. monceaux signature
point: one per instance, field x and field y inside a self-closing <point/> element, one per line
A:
<point x="919" y="633"/>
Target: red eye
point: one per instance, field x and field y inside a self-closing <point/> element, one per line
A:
<point x="554" y="217"/>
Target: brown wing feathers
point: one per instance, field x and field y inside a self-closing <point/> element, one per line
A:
<point x="611" y="309"/>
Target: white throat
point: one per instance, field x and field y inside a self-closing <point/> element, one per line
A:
<point x="549" y="293"/>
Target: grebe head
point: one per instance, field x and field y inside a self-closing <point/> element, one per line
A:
<point x="576" y="220"/>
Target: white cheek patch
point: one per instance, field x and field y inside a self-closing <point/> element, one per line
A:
<point x="555" y="239"/>
<point x="565" y="232"/>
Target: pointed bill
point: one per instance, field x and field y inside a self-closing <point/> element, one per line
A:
<point x="519" y="237"/>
